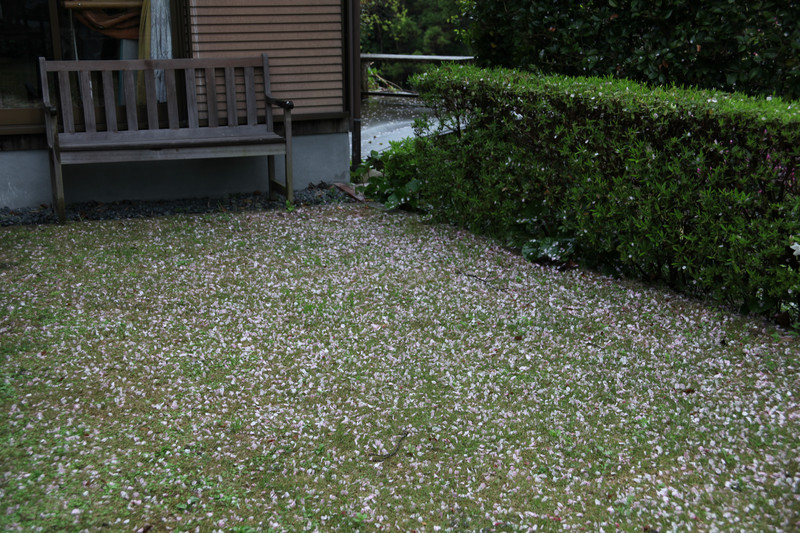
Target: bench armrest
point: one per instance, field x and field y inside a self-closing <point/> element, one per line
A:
<point x="285" y="104"/>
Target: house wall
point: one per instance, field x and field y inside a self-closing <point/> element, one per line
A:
<point x="303" y="38"/>
<point x="24" y="178"/>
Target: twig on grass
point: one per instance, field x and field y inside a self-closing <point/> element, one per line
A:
<point x="379" y="457"/>
<point x="489" y="283"/>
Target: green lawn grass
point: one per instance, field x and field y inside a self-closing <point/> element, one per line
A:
<point x="343" y="368"/>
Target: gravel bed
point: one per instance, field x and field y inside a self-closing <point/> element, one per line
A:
<point x="315" y="194"/>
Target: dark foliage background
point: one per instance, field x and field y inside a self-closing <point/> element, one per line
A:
<point x="429" y="27"/>
<point x="752" y="46"/>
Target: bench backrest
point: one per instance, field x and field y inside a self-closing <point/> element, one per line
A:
<point x="149" y="94"/>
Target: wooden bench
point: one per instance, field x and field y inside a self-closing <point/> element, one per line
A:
<point x="146" y="110"/>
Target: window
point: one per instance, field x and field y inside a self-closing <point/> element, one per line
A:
<point x="63" y="29"/>
<point x="25" y="33"/>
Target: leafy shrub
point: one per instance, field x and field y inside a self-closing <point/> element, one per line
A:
<point x="396" y="183"/>
<point x="750" y="46"/>
<point x="694" y="188"/>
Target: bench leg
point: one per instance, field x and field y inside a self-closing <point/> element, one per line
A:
<point x="287" y="125"/>
<point x="273" y="193"/>
<point x="57" y="184"/>
<point x="289" y="177"/>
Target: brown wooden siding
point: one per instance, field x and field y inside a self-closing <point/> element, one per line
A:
<point x="304" y="40"/>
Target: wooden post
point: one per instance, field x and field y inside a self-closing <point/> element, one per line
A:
<point x="364" y="76"/>
<point x="51" y="129"/>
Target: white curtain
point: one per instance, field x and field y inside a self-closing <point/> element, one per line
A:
<point x="155" y="38"/>
<point x="160" y="41"/>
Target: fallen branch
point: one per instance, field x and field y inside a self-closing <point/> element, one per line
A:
<point x="379" y="458"/>
<point x="489" y="283"/>
<point x="383" y="83"/>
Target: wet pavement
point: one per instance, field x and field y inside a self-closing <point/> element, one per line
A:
<point x="388" y="118"/>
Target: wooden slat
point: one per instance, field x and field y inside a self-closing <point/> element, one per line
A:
<point x="171" y="154"/>
<point x="287" y="6"/>
<point x="211" y="97"/>
<point x="129" y="86"/>
<point x="295" y="52"/>
<point x="172" y="98"/>
<point x="304" y="88"/>
<point x="279" y="61"/>
<point x="243" y="17"/>
<point x="191" y="98"/>
<point x="267" y="89"/>
<point x="334" y="109"/>
<point x="65" y="95"/>
<point x="236" y="48"/>
<point x="230" y="96"/>
<point x="151" y="100"/>
<point x="263" y="9"/>
<point x="45" y="82"/>
<point x="271" y="28"/>
<point x="329" y="71"/>
<point x="87" y="100"/>
<point x="109" y="100"/>
<point x="103" y="4"/>
<point x="260" y="37"/>
<point x="295" y="3"/>
<point x="307" y="95"/>
<point x="250" y="96"/>
<point x="288" y="3"/>
<point x="154" y="139"/>
<point x="301" y="80"/>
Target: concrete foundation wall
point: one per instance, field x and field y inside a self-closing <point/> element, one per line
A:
<point x="24" y="178"/>
<point x="25" y="175"/>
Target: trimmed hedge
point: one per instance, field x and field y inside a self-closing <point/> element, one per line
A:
<point x="751" y="46"/>
<point x="698" y="189"/>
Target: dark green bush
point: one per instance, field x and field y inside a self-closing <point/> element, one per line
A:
<point x="751" y="46"/>
<point x="694" y="188"/>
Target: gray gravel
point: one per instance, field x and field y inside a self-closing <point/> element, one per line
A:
<point x="315" y="194"/>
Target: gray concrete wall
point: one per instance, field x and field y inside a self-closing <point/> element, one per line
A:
<point x="25" y="175"/>
<point x="24" y="178"/>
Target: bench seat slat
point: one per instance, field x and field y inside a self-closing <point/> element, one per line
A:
<point x="155" y="139"/>
<point x="173" y="153"/>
